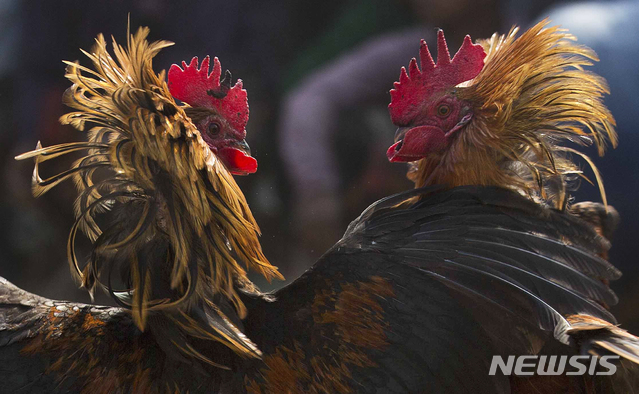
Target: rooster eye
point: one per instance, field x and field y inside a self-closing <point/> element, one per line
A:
<point x="214" y="128"/>
<point x="443" y="110"/>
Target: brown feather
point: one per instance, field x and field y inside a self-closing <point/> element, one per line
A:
<point x="532" y="94"/>
<point x="169" y="185"/>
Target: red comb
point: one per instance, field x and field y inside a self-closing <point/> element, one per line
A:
<point x="415" y="86"/>
<point x="198" y="88"/>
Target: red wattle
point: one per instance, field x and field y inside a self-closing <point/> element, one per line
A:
<point x="418" y="143"/>
<point x="238" y="162"/>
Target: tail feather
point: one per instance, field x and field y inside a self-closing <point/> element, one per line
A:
<point x="599" y="337"/>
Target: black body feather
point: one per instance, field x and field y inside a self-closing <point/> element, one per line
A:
<point x="417" y="297"/>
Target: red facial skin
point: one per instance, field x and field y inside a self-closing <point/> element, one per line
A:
<point x="424" y="103"/>
<point x="223" y="130"/>
<point x="227" y="144"/>
<point x="432" y="130"/>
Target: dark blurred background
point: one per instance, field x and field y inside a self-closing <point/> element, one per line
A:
<point x="318" y="75"/>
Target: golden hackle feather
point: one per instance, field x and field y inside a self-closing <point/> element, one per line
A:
<point x="146" y="160"/>
<point x="532" y="94"/>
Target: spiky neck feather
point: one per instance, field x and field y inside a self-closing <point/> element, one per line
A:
<point x="531" y="94"/>
<point x="182" y="228"/>
<point x="453" y="170"/>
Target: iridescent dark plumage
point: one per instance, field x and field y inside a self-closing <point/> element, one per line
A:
<point x="417" y="296"/>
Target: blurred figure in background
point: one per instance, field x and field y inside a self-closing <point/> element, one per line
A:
<point x="321" y="153"/>
<point x="252" y="39"/>
<point x="611" y="29"/>
<point x="334" y="126"/>
<point x="339" y="105"/>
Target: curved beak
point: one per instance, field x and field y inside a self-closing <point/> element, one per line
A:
<point x="243" y="146"/>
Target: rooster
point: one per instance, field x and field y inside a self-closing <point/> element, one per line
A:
<point x="180" y="228"/>
<point x="495" y="113"/>
<point x="422" y="291"/>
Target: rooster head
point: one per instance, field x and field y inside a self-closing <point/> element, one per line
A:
<point x="219" y="111"/>
<point x="425" y="105"/>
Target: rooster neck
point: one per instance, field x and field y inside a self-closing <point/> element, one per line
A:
<point x="533" y="94"/>
<point x="463" y="164"/>
<point x="163" y="212"/>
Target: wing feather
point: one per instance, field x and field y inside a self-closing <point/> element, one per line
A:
<point x="510" y="258"/>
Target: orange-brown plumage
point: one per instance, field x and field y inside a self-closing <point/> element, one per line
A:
<point x="531" y="95"/>
<point x="180" y="229"/>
